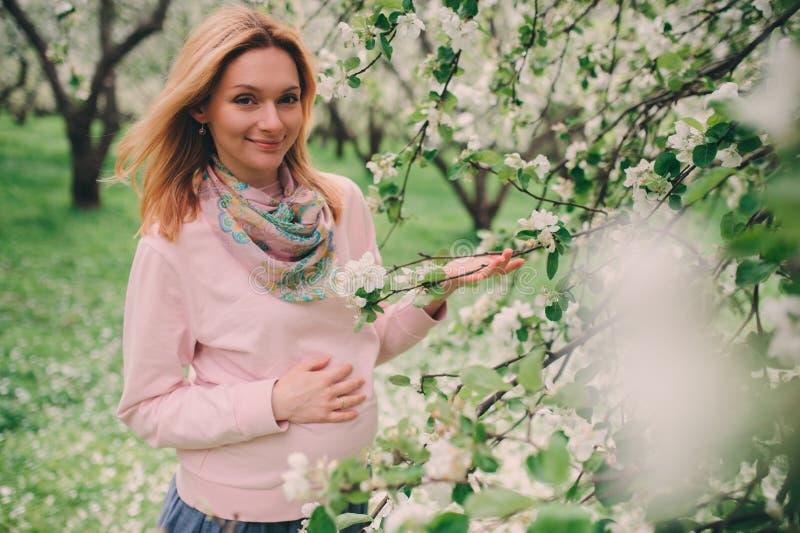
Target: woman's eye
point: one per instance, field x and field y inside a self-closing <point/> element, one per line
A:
<point x="244" y="100"/>
<point x="290" y="99"/>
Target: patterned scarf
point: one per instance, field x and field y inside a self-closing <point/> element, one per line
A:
<point x="286" y="244"/>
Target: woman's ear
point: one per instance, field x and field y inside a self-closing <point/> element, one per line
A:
<point x="199" y="114"/>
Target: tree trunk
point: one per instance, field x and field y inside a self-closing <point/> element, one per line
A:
<point x="85" y="166"/>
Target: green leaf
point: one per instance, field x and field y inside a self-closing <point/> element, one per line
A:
<point x="674" y="202"/>
<point x="611" y="487"/>
<point x="408" y="5"/>
<point x="350" y="519"/>
<point x="354" y="82"/>
<point x="669" y="61"/>
<point x="469" y="8"/>
<point x="495" y="502"/>
<point x="382" y="23"/>
<point x="552" y="264"/>
<point x="667" y="164"/>
<point x="529" y="373"/>
<point x="486" y="462"/>
<point x="675" y="83"/>
<point x="718" y="131"/>
<point x="460" y="492"/>
<point x="387" y="48"/>
<point x="351" y="62"/>
<point x="748" y="145"/>
<point x="483" y="380"/>
<point x="400" y="380"/>
<point x="551" y="464"/>
<point x="553" y="518"/>
<point x="693" y="122"/>
<point x="730" y="225"/>
<point x="750" y="272"/>
<point x="448" y="523"/>
<point x="702" y="185"/>
<point x="563" y="235"/>
<point x="321" y="522"/>
<point x="704" y="154"/>
<point x="553" y="312"/>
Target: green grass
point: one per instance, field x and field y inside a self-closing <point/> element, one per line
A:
<point x="66" y="462"/>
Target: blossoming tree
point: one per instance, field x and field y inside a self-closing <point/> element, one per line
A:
<point x="645" y="381"/>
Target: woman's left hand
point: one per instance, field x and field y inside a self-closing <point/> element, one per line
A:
<point x="471" y="270"/>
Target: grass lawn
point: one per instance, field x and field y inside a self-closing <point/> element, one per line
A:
<point x="66" y="462"/>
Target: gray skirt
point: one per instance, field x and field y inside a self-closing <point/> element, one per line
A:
<point x="178" y="517"/>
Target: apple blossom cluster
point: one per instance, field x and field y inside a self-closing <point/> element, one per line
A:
<point x="784" y="314"/>
<point x="540" y="164"/>
<point x="447" y="462"/>
<point x="383" y="167"/>
<point x="296" y="484"/>
<point x="360" y="280"/>
<point x="459" y="31"/>
<point x="510" y="319"/>
<point x="542" y="226"/>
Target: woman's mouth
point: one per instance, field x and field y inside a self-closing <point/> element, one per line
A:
<point x="265" y="145"/>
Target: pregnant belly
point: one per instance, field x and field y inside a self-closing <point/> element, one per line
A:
<point x="259" y="463"/>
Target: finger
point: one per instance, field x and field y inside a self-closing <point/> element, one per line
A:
<point x="515" y="264"/>
<point x="314" y="363"/>
<point x="347" y="401"/>
<point x="338" y="373"/>
<point x="341" y="416"/>
<point x="346" y="387"/>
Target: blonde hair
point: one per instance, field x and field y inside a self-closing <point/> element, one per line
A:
<point x="165" y="145"/>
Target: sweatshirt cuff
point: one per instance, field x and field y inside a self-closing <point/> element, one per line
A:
<point x="416" y="322"/>
<point x="252" y="407"/>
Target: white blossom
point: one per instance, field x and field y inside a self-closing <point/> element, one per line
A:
<point x="764" y="7"/>
<point x="775" y="104"/>
<point x="359" y="273"/>
<point x="726" y="91"/>
<point x="571" y="154"/>
<point x="473" y="315"/>
<point x="382" y="166"/>
<point x="540" y="220"/>
<point x="684" y="140"/>
<point x="406" y="516"/>
<point x="784" y="314"/>
<point x="409" y="26"/>
<point x="349" y="35"/>
<point x="563" y="187"/>
<point x="729" y="157"/>
<point x="447" y="462"/>
<point x="329" y="87"/>
<point x="547" y="240"/>
<point x="507" y="321"/>
<point x="458" y="30"/>
<point x="296" y="485"/>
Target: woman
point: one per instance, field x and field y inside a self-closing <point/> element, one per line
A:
<point x="237" y="352"/>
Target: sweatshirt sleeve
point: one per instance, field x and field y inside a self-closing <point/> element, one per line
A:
<point x="402" y="324"/>
<point x="158" y="403"/>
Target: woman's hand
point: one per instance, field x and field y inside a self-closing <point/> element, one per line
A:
<point x="310" y="392"/>
<point x="469" y="270"/>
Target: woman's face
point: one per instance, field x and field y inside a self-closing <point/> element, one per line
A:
<point x="254" y="114"/>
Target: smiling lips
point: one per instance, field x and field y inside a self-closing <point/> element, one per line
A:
<point x="267" y="145"/>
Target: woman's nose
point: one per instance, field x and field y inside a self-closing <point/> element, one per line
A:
<point x="269" y="119"/>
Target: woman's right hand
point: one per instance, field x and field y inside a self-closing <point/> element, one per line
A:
<point x="310" y="392"/>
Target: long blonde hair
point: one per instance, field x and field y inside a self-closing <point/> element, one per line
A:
<point x="165" y="144"/>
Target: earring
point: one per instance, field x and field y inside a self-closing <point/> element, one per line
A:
<point x="202" y="130"/>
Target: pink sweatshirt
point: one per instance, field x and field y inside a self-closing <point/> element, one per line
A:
<point x="189" y="303"/>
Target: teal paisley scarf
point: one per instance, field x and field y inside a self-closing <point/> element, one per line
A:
<point x="286" y="244"/>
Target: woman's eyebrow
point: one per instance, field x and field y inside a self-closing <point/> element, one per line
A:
<point x="256" y="89"/>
